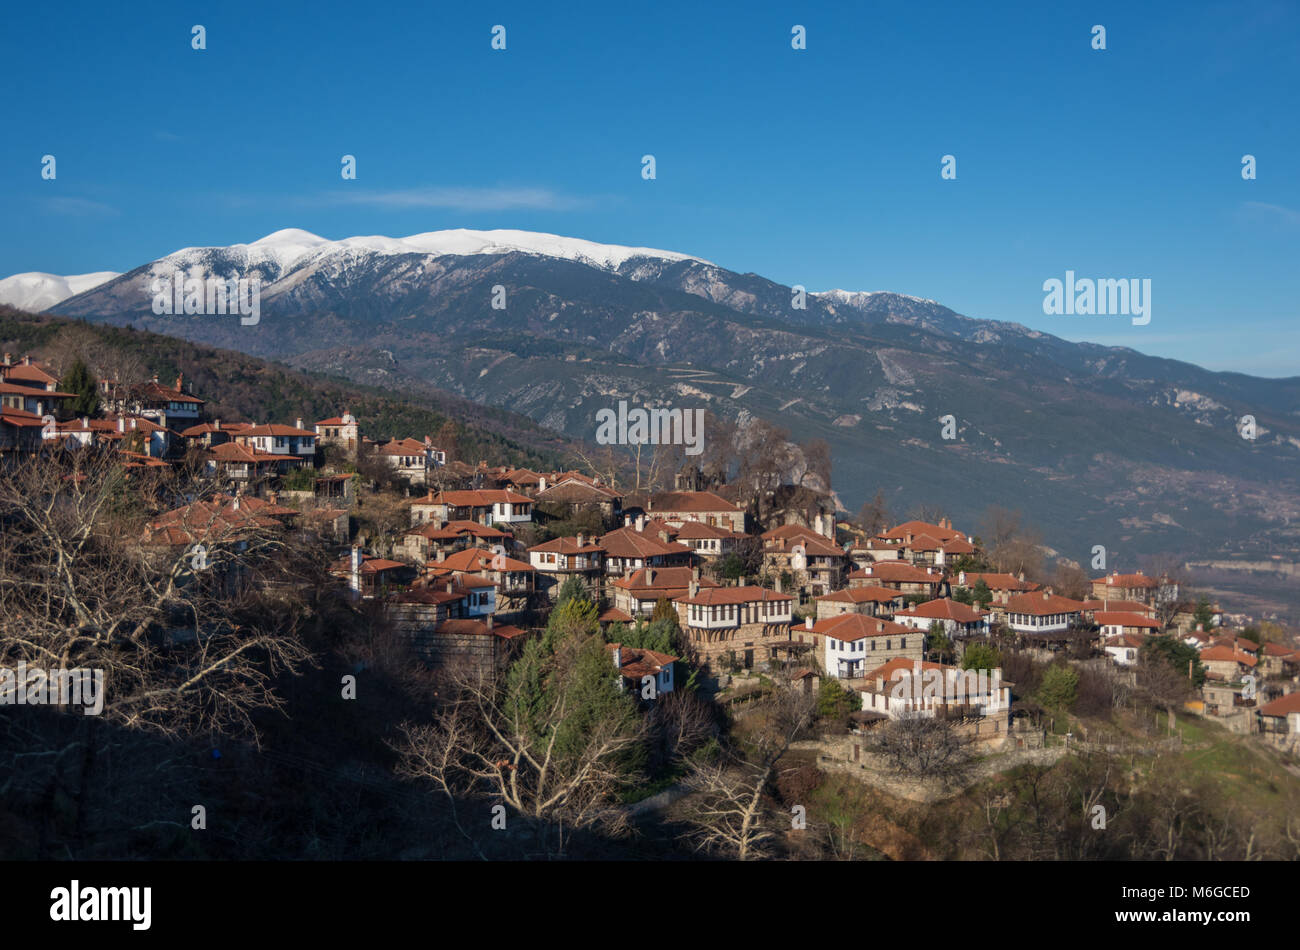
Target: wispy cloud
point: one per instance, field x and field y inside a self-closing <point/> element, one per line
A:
<point x="79" y="207"/>
<point x="458" y="199"/>
<point x="1273" y="214"/>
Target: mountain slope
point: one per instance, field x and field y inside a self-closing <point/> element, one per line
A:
<point x="239" y="387"/>
<point x="1098" y="445"/>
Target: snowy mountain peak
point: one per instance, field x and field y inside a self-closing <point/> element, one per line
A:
<point x="37" y="291"/>
<point x="291" y="246"/>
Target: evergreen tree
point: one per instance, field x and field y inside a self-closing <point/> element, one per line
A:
<point x="981" y="656"/>
<point x="1059" y="687"/>
<point x="1177" y="654"/>
<point x="1204" y="614"/>
<point x="81" y="381"/>
<point x="937" y="642"/>
<point x="571" y="588"/>
<point x="982" y="595"/>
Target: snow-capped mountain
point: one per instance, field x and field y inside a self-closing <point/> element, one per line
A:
<point x="36" y="291"/>
<point x="1073" y="434"/>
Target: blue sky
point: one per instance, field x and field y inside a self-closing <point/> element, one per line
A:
<point x="818" y="167"/>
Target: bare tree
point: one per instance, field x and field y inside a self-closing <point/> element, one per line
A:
<point x="79" y="589"/>
<point x="541" y="753"/>
<point x="728" y="813"/>
<point x="874" y="517"/>
<point x="924" y="746"/>
<point x="186" y="633"/>
<point x="1012" y="545"/>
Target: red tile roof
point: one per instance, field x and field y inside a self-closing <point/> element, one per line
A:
<point x="1126" y="580"/>
<point x="1283" y="706"/>
<point x="944" y="609"/>
<point x="629" y="543"/>
<point x="567" y="545"/>
<point x="721" y="596"/>
<point x="1041" y="603"/>
<point x="888" y="672"/>
<point x="861" y="595"/>
<point x="690" y="501"/>
<point x="475" y="498"/>
<point x="856" y="627"/>
<point x="1113" y="618"/>
<point x="275" y="430"/>
<point x="1227" y="654"/>
<point x="896" y="572"/>
<point x="668" y="581"/>
<point x="637" y="662"/>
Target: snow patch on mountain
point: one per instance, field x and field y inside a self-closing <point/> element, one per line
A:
<point x="36" y="291"/>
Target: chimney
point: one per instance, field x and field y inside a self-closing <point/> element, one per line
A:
<point x="121" y="423"/>
<point x="180" y="383"/>
<point x="663" y="535"/>
<point x="354" y="580"/>
<point x="808" y="623"/>
<point x="541" y="483"/>
<point x="694" y="586"/>
<point x="640" y="523"/>
<point x="695" y="573"/>
<point x="649" y="575"/>
<point x="618" y="656"/>
<point x="234" y="506"/>
<point x="489" y="621"/>
<point x="442" y="555"/>
<point x="777" y="583"/>
<point x="85" y="422"/>
<point x="297" y="423"/>
<point x="627" y="521"/>
<point x="9" y="359"/>
<point x="27" y="361"/>
<point x="216" y="424"/>
<point x="451" y="586"/>
<point x="582" y="540"/>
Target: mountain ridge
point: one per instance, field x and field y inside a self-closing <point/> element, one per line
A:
<point x="1099" y="445"/>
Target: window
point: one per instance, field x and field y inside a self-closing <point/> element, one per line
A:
<point x="902" y="644"/>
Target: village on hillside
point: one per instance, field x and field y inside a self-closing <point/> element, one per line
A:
<point x="754" y="642"/>
<point x="478" y="565"/>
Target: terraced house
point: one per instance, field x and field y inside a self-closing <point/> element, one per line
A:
<point x="486" y="506"/>
<point x="853" y="644"/>
<point x="751" y="623"/>
<point x="814" y="564"/>
<point x="677" y="507"/>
